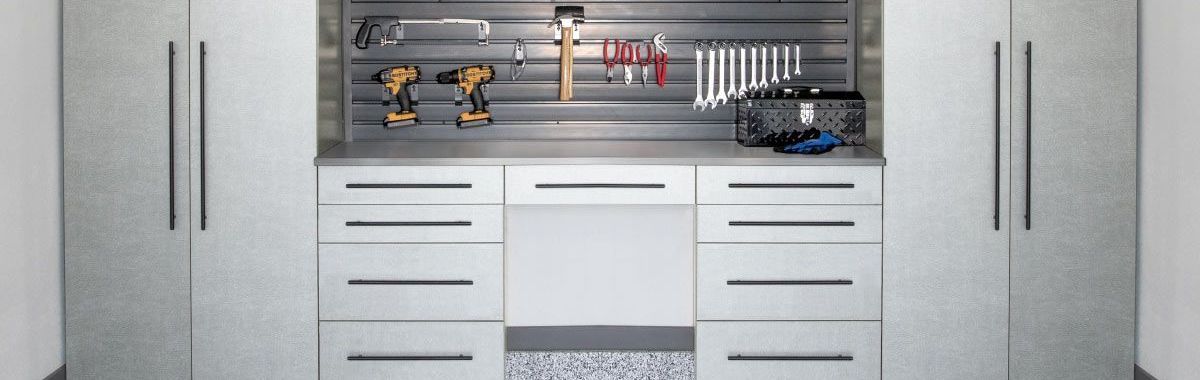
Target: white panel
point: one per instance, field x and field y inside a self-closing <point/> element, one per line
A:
<point x="482" y="341"/>
<point x="716" y="224"/>
<point x="606" y="184"/>
<point x="481" y="299"/>
<point x="789" y="185"/>
<point x="717" y="341"/>
<point x="717" y="264"/>
<point x="600" y="265"/>
<point x="411" y="185"/>
<point x="486" y="224"/>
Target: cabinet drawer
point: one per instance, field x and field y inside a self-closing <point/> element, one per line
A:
<point x="609" y="184"/>
<point x="789" y="224"/>
<point x="411" y="224"/>
<point x="789" y="185"/>
<point x="411" y="185"/>
<point x="787" y="350"/>
<point x="412" y="350"/>
<point x="411" y="282"/>
<point x="788" y="282"/>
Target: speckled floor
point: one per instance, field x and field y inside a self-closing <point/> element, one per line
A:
<point x="600" y="365"/>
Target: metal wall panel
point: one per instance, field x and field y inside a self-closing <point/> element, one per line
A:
<point x="529" y="108"/>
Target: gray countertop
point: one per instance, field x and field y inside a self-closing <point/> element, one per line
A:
<point x="402" y="153"/>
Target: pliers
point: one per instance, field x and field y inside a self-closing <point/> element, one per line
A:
<point x="609" y="63"/>
<point x="644" y="62"/>
<point x="627" y="61"/>
<point x="660" y="59"/>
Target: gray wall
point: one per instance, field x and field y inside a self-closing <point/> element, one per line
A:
<point x="1169" y="273"/>
<point x="30" y="201"/>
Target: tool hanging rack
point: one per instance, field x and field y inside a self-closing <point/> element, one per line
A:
<point x="528" y="108"/>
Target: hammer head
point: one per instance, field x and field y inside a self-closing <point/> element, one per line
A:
<point x="568" y="15"/>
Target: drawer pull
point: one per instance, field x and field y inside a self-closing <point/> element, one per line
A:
<point x="600" y="186"/>
<point x="409" y="358"/>
<point x="791" y="358"/>
<point x="789" y="282"/>
<point x="791" y="224"/>
<point x="407" y="224"/>
<point x="411" y="282"/>
<point x="408" y="186"/>
<point x="791" y="186"/>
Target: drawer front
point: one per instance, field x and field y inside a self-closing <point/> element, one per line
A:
<point x="612" y="184"/>
<point x="789" y="185"/>
<point x="412" y="282"/>
<point x="789" y="224"/>
<point x="412" y="350"/>
<point x="788" y="281"/>
<point x="411" y="224"/>
<point x="410" y="185"/>
<point x="787" y="350"/>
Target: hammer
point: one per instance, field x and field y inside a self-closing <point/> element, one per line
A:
<point x="567" y="19"/>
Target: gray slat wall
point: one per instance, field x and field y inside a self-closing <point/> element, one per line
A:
<point x="529" y="108"/>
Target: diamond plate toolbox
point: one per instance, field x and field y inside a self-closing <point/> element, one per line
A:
<point x="774" y="118"/>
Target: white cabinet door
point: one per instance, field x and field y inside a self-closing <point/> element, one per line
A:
<point x="126" y="257"/>
<point x="945" y="299"/>
<point x="254" y="251"/>
<point x="1073" y="277"/>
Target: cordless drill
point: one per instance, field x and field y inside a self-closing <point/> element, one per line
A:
<point x="469" y="81"/>
<point x="396" y="81"/>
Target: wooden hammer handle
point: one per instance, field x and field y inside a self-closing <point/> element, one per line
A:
<point x="566" y="65"/>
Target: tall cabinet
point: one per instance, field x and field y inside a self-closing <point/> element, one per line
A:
<point x="1010" y="199"/>
<point x="188" y="142"/>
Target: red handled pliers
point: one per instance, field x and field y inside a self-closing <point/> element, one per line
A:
<point x="627" y="61"/>
<point x="610" y="63"/>
<point x="660" y="59"/>
<point x="645" y="61"/>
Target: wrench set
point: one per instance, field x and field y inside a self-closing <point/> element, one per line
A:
<point x="755" y="54"/>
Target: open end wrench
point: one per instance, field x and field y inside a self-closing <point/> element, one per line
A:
<point x="732" y="92"/>
<point x="762" y="84"/>
<point x="721" y="75"/>
<point x="699" y="103"/>
<point x="711" y="99"/>
<point x="742" y="67"/>
<point x="775" y="64"/>
<point x="797" y="60"/>
<point x="787" y="76"/>
<point x="754" y="68"/>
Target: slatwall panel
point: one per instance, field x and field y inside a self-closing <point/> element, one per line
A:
<point x="529" y="108"/>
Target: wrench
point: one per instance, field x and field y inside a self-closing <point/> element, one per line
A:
<point x="787" y="76"/>
<point x="699" y="81"/>
<point x="721" y="75"/>
<point x="774" y="64"/>
<point x="711" y="99"/>
<point x="754" y="68"/>
<point x="797" y="60"/>
<point x="732" y="93"/>
<point x="762" y="85"/>
<point x="742" y="89"/>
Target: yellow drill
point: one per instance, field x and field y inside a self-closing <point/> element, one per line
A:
<point x="469" y="80"/>
<point x="396" y="81"/>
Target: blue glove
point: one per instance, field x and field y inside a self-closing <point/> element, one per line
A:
<point x="826" y="142"/>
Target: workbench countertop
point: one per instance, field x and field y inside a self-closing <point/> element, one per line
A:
<point x="577" y="152"/>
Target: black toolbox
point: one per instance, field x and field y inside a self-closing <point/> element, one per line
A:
<point x="775" y="118"/>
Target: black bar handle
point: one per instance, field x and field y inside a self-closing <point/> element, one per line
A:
<point x="789" y="282"/>
<point x="600" y="186"/>
<point x="790" y="224"/>
<point x="791" y="186"/>
<point x="1029" y="136"/>
<point x="791" y="358"/>
<point x="171" y="129"/>
<point x="408" y="224"/>
<point x="409" y="358"/>
<point x="203" y="145"/>
<point x="410" y="282"/>
<point x="408" y="186"/>
<point x="996" y="169"/>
